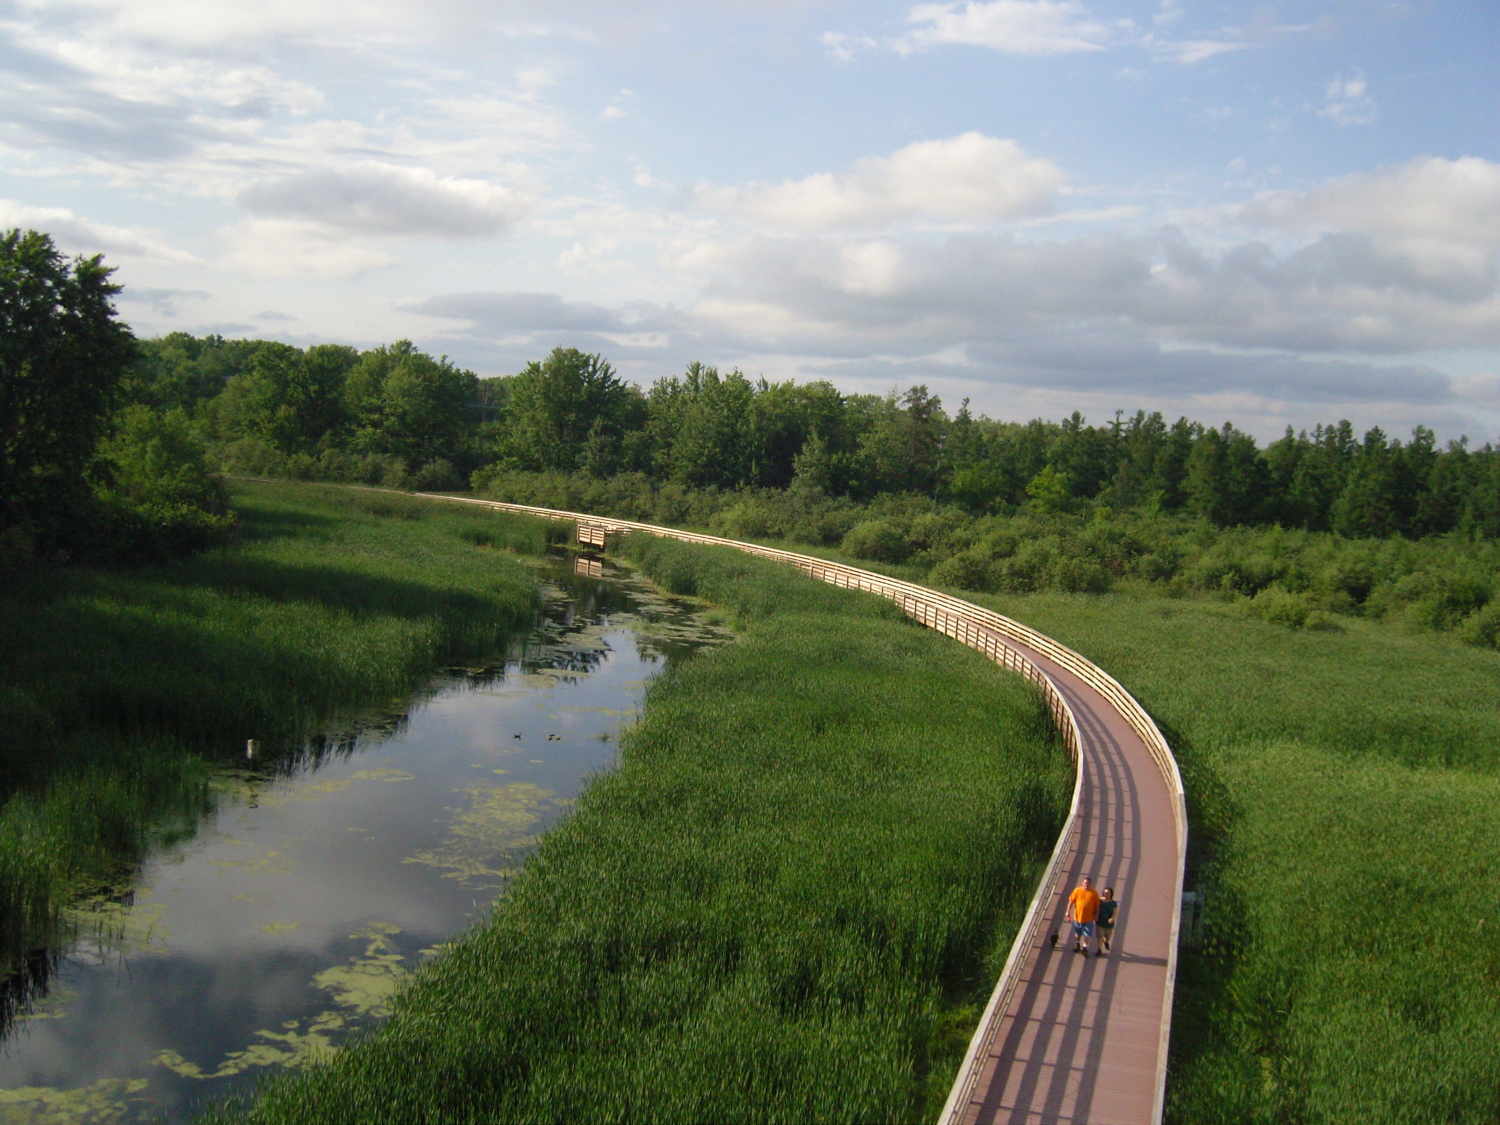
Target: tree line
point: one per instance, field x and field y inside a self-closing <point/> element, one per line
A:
<point x="394" y="414"/>
<point x="108" y="442"/>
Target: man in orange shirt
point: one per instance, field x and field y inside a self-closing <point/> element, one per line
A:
<point x="1083" y="908"/>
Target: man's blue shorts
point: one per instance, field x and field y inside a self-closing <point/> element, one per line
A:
<point x="1083" y="930"/>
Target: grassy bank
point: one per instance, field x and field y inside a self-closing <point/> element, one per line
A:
<point x="787" y="903"/>
<point x="122" y="688"/>
<point x="1345" y="808"/>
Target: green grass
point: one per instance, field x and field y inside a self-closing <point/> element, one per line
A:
<point x="788" y="903"/>
<point x="122" y="688"/>
<point x="1344" y="800"/>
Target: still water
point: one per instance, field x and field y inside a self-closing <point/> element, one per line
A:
<point x="292" y="915"/>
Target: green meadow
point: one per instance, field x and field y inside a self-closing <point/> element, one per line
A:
<point x="1344" y="797"/>
<point x="123" y="689"/>
<point x="787" y="903"/>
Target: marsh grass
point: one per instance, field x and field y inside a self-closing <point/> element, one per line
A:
<point x="787" y="903"/>
<point x="123" y="689"/>
<point x="1344" y="798"/>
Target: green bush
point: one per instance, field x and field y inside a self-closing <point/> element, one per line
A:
<point x="159" y="496"/>
<point x="880" y="540"/>
<point x="1282" y="607"/>
<point x="1436" y="583"/>
<point x="1482" y="627"/>
<point x="968" y="571"/>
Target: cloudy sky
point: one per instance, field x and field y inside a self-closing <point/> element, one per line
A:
<point x="1272" y="213"/>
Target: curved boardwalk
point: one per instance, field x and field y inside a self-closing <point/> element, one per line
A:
<point x="1064" y="1038"/>
<point x="1082" y="1038"/>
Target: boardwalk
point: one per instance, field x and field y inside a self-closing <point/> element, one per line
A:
<point x="1065" y="1038"/>
<point x="1081" y="1037"/>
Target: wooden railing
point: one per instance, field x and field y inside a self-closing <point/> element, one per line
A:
<point x="988" y="632"/>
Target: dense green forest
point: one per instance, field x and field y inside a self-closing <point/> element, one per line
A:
<point x="397" y="416"/>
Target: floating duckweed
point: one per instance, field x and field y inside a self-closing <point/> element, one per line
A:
<point x="367" y="984"/>
<point x="323" y="787"/>
<point x="499" y="819"/>
<point x="272" y="863"/>
<point x="108" y="1100"/>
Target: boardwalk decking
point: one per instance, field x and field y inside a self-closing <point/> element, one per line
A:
<point x="1065" y="1038"/>
<point x="1081" y="1039"/>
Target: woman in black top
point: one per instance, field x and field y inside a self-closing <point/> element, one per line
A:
<point x="1105" y="922"/>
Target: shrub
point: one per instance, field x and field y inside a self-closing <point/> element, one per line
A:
<point x="436" y="475"/>
<point x="1080" y="576"/>
<point x="1482" y="627"/>
<point x="1282" y="607"/>
<point x="1030" y="568"/>
<point x="880" y="540"/>
<point x="159" y="494"/>
<point x="968" y="571"/>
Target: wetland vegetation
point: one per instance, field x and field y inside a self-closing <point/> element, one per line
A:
<point x="123" y="689"/>
<point x="789" y="902"/>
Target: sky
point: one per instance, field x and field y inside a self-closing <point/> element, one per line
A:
<point x="1271" y="214"/>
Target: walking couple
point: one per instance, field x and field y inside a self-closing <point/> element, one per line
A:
<point x="1088" y="910"/>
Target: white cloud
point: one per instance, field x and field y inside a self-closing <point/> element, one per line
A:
<point x="1348" y="101"/>
<point x="283" y="248"/>
<point x="1168" y="13"/>
<point x="966" y="179"/>
<point x="1189" y="51"/>
<point x="380" y="198"/>
<point x="78" y="235"/>
<point x="1017" y="27"/>
<point x="1430" y="197"/>
<point x="213" y="23"/>
<point x="844" y="47"/>
<point x="121" y="72"/>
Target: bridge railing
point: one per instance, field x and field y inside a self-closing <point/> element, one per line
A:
<point x="987" y="631"/>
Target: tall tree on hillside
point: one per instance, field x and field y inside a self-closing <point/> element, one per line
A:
<point x="62" y="357"/>
<point x="924" y="429"/>
<point x="412" y="406"/>
<point x="1377" y="495"/>
<point x="1445" y="503"/>
<point x="1141" y="441"/>
<point x="291" y="398"/>
<point x="1083" y="455"/>
<point x="183" y="370"/>
<point x="1227" y="479"/>
<point x="711" y="447"/>
<point x="554" y="406"/>
<point x="1322" y="470"/>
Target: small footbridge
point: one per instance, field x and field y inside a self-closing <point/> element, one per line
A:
<point x="1064" y="1038"/>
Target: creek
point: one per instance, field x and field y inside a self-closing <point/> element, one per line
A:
<point x="285" y="921"/>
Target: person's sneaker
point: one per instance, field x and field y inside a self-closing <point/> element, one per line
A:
<point x="1098" y="953"/>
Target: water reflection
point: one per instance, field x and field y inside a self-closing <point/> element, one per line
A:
<point x="326" y="872"/>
